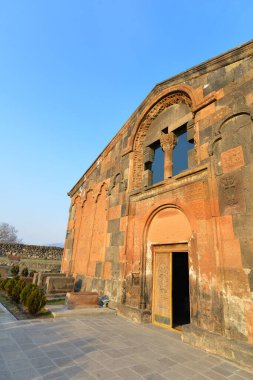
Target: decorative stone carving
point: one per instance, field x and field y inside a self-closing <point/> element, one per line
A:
<point x="229" y="187"/>
<point x="163" y="280"/>
<point x="231" y="196"/>
<point x="173" y="98"/>
<point x="168" y="141"/>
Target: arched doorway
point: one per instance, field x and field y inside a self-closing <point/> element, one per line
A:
<point x="167" y="240"/>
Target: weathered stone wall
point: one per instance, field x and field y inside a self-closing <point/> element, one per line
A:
<point x="35" y="257"/>
<point x="31" y="251"/>
<point x="116" y="216"/>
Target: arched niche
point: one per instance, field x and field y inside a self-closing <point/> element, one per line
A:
<point x="83" y="233"/>
<point x="232" y="147"/>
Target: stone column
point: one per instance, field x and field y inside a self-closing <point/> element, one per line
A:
<point x="168" y="143"/>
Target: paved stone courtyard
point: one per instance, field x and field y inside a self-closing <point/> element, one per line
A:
<point x="102" y="347"/>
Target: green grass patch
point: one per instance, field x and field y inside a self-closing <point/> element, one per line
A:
<point x="44" y="313"/>
<point x="59" y="301"/>
<point x="19" y="312"/>
<point x="13" y="307"/>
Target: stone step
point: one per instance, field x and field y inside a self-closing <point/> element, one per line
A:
<point x="59" y="311"/>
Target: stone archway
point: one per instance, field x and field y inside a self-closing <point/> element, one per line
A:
<point x="165" y="259"/>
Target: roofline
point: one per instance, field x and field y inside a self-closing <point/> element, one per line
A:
<point x="238" y="53"/>
<point x="215" y="62"/>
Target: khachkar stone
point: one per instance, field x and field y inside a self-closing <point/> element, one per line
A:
<point x="168" y="143"/>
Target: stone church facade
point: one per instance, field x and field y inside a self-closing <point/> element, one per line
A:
<point x="162" y="221"/>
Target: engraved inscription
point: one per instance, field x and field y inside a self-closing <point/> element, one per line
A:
<point x="232" y="159"/>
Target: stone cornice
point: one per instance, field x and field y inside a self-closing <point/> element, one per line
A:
<point x="183" y="179"/>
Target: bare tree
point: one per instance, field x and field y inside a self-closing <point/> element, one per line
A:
<point x="8" y="234"/>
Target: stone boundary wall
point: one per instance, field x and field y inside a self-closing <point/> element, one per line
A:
<point x="34" y="257"/>
<point x="25" y="251"/>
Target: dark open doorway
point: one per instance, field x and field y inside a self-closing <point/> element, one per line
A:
<point x="180" y="289"/>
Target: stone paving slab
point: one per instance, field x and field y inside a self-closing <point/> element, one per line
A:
<point x="102" y="347"/>
<point x="5" y="315"/>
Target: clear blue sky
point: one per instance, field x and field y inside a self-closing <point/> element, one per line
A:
<point x="72" y="72"/>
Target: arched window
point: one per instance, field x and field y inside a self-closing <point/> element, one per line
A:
<point x="168" y="156"/>
<point x="156" y="166"/>
<point x="180" y="160"/>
